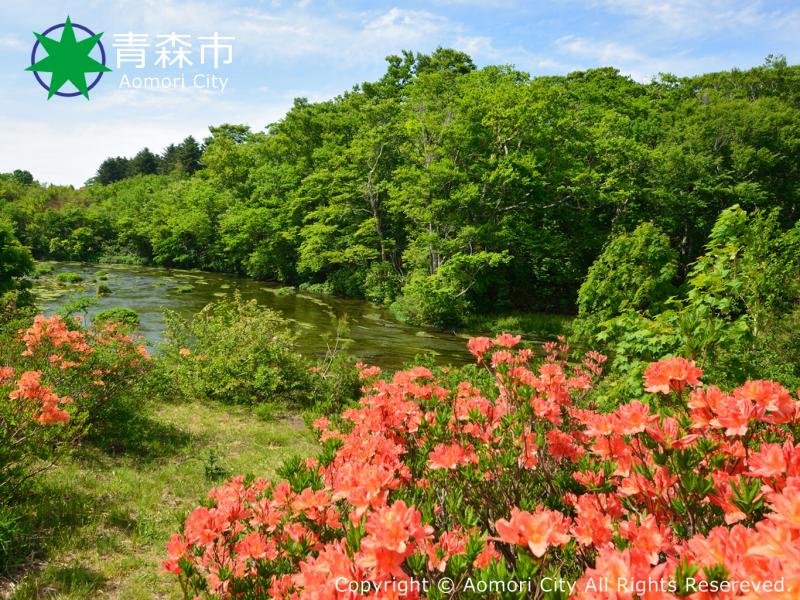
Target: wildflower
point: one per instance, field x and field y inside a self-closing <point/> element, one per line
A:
<point x="671" y="374"/>
<point x="506" y="340"/>
<point x="450" y="456"/>
<point x="478" y="346"/>
<point x="537" y="530"/>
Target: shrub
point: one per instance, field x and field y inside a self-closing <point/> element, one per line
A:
<point x="235" y="351"/>
<point x="103" y="290"/>
<point x="635" y="271"/>
<point x="15" y="263"/>
<point x="118" y="314"/>
<point x="60" y="380"/>
<point x="502" y="473"/>
<point x="284" y="291"/>
<point x="734" y="316"/>
<point x="323" y="289"/>
<point x="430" y="300"/>
<point x="382" y="283"/>
<point x="69" y="277"/>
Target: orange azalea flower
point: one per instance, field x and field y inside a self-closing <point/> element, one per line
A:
<point x="671" y="374"/>
<point x="735" y="415"/>
<point x="537" y="530"/>
<point x="397" y="527"/>
<point x="478" y="346"/>
<point x="634" y="417"/>
<point x="450" y="456"/>
<point x="486" y="556"/>
<point x="184" y="352"/>
<point x="506" y="340"/>
<point x="768" y="462"/>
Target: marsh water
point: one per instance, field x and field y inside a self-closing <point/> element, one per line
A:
<point x="374" y="335"/>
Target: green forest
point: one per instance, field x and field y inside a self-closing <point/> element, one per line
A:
<point x="443" y="189"/>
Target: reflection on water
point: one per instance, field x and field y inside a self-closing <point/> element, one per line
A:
<point x="374" y="335"/>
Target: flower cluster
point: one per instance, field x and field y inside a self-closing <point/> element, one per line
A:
<point x="48" y="410"/>
<point x="505" y="471"/>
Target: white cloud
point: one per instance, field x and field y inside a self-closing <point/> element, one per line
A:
<point x="629" y="59"/>
<point x="13" y="42"/>
<point x="678" y="19"/>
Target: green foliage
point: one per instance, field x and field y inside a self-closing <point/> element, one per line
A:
<point x="213" y="468"/>
<point x="737" y="315"/>
<point x="69" y="277"/>
<point x="635" y="271"/>
<point x="234" y="351"/>
<point x="126" y="316"/>
<point x="15" y="262"/>
<point x="43" y="269"/>
<point x="450" y="191"/>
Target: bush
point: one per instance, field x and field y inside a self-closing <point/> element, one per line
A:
<point x="430" y="300"/>
<point x="636" y="271"/>
<point x="125" y="316"/>
<point x="734" y="316"/>
<point x="68" y="277"/>
<point x="323" y="289"/>
<point x="103" y="290"/>
<point x="61" y="380"/>
<point x="382" y="283"/>
<point x="502" y="474"/>
<point x="15" y="263"/>
<point x="236" y="352"/>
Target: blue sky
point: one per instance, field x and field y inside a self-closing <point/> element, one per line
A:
<point x="318" y="48"/>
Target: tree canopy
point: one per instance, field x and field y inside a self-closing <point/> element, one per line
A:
<point x="445" y="189"/>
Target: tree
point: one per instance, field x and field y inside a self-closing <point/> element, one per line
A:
<point x="111" y="170"/>
<point x="15" y="262"/>
<point x="22" y="177"/>
<point x="144" y="163"/>
<point x="188" y="155"/>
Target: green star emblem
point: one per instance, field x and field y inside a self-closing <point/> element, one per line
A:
<point x="68" y="60"/>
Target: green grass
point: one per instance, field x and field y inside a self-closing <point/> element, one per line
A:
<point x="99" y="521"/>
<point x="538" y="325"/>
<point x="69" y="277"/>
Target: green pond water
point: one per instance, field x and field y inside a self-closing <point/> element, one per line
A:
<point x="374" y="335"/>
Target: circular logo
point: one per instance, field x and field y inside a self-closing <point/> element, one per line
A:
<point x="68" y="60"/>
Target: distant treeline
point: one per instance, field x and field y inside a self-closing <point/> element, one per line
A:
<point x="442" y="189"/>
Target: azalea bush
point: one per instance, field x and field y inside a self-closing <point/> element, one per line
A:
<point x="59" y="382"/>
<point x="504" y="472"/>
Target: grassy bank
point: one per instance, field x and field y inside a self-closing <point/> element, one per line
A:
<point x="531" y="325"/>
<point x="97" y="524"/>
